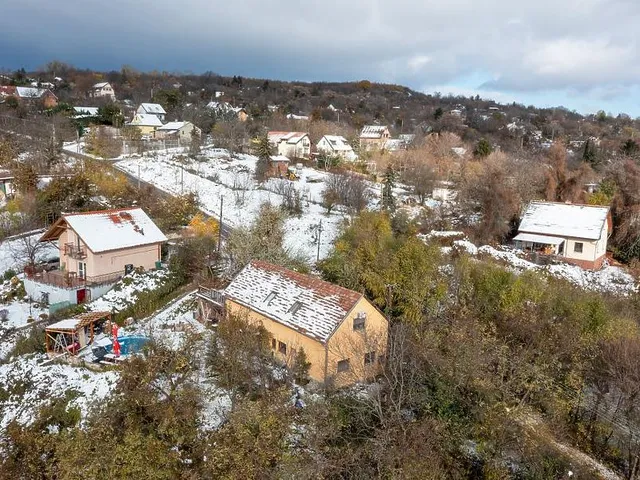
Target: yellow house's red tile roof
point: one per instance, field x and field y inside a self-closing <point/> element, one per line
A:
<point x="305" y="303"/>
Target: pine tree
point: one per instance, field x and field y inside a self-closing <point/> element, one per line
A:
<point x="262" y="148"/>
<point x="483" y="148"/>
<point x="589" y="154"/>
<point x="388" y="182"/>
<point x="300" y="368"/>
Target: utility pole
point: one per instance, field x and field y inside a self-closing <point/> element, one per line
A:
<point x="220" y="223"/>
<point x="319" y="237"/>
<point x="181" y="179"/>
<point x="138" y="175"/>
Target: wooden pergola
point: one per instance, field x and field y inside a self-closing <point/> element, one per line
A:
<point x="70" y="336"/>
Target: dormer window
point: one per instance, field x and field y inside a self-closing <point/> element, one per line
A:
<point x="295" y="307"/>
<point x="270" y="298"/>
<point x="359" y="321"/>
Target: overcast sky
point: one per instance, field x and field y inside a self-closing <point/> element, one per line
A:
<point x="582" y="54"/>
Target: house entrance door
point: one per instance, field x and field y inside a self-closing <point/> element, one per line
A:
<point x="81" y="296"/>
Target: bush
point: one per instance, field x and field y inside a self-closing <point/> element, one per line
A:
<point x="31" y="343"/>
<point x="9" y="274"/>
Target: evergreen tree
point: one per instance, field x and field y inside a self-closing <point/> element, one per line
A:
<point x="300" y="368"/>
<point x="388" y="182"/>
<point x="483" y="148"/>
<point x="438" y="113"/>
<point x="590" y="155"/>
<point x="263" y="149"/>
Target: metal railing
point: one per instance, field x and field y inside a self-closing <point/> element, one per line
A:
<point x="216" y="296"/>
<point x="70" y="280"/>
<point x="75" y="251"/>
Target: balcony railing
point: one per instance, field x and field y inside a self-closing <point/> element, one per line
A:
<point x="75" y="251"/>
<point x="215" y="296"/>
<point x="70" y="280"/>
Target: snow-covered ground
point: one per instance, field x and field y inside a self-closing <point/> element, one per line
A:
<point x="125" y="292"/>
<point x="12" y="252"/>
<point x="608" y="279"/>
<point x="30" y="385"/>
<point x="230" y="180"/>
<point x="28" y="382"/>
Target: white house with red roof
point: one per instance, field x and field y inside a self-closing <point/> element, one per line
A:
<point x="96" y="250"/>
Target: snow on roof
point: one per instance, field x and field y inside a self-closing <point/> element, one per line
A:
<point x="279" y="158"/>
<point x="292" y="116"/>
<point x="68" y="324"/>
<point x="146" y="120"/>
<point x="107" y="230"/>
<point x="564" y="220"/>
<point x="224" y="107"/>
<point x="394" y="144"/>
<point x="289" y="137"/>
<point x="101" y="85"/>
<point x="152" y="108"/>
<point x="90" y="111"/>
<point x="30" y="92"/>
<point x="541" y="239"/>
<point x="337" y="143"/>
<point x="373" y="131"/>
<point x="173" y="126"/>
<point x="301" y="302"/>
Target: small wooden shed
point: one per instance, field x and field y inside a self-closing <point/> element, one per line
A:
<point x="72" y="335"/>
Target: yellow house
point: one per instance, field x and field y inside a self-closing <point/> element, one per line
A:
<point x="343" y="335"/>
<point x="146" y="122"/>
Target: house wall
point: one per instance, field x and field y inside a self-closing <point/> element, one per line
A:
<point x="347" y="343"/>
<point x="113" y="262"/>
<point x="314" y="350"/>
<point x="107" y="262"/>
<point x="301" y="149"/>
<point x="324" y="146"/>
<point x="58" y="294"/>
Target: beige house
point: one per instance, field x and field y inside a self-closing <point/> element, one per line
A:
<point x="101" y="90"/>
<point x="374" y="137"/>
<point x="182" y="131"/>
<point x="147" y="123"/>
<point x="338" y="146"/>
<point x="572" y="233"/>
<point x="291" y="144"/>
<point x="343" y="335"/>
<point x="96" y="248"/>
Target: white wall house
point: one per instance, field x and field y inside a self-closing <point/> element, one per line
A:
<point x="291" y="144"/>
<point x="152" y="109"/>
<point x="103" y="89"/>
<point x="574" y="233"/>
<point x="338" y="146"/>
<point x="182" y="131"/>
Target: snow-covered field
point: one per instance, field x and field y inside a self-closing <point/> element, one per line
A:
<point x="608" y="279"/>
<point x="230" y="180"/>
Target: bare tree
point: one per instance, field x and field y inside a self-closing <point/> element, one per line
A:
<point x="348" y="189"/>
